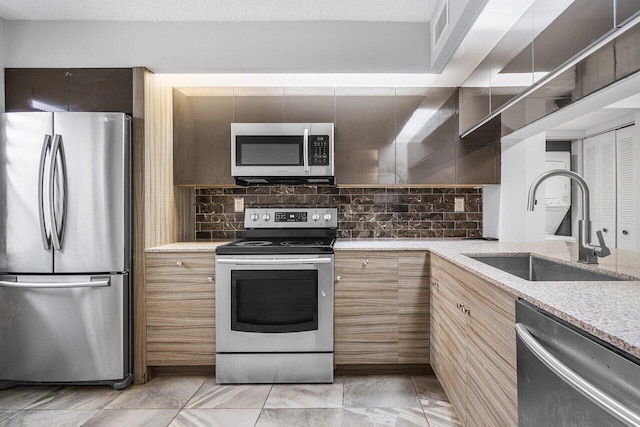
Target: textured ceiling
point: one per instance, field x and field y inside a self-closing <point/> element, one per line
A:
<point x="219" y="10"/>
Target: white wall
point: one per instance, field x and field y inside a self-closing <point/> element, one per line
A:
<point x="181" y="47"/>
<point x="3" y="40"/>
<point x="506" y="204"/>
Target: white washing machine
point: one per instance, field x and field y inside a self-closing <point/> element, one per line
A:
<point x="558" y="191"/>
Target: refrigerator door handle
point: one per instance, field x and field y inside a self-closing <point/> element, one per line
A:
<point x="57" y="233"/>
<point x="46" y="235"/>
<point x="99" y="282"/>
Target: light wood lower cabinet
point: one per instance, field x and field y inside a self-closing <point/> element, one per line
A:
<point x="381" y="308"/>
<point x="473" y="345"/>
<point x="180" y="308"/>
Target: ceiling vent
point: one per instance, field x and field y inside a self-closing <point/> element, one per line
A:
<point x="439" y="25"/>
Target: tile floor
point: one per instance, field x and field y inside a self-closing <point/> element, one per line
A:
<point x="389" y="400"/>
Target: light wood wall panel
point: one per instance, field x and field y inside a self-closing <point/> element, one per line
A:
<point x="161" y="215"/>
<point x="138" y="147"/>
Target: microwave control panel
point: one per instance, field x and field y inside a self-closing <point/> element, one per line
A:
<point x="318" y="150"/>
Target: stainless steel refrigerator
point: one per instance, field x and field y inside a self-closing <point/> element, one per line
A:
<point x="65" y="248"/>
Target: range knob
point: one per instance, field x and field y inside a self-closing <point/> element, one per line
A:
<point x="327" y="216"/>
<point x="254" y="217"/>
<point x="315" y="216"/>
<point x="266" y="217"/>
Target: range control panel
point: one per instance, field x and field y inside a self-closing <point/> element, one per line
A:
<point x="291" y="218"/>
<point x="318" y="150"/>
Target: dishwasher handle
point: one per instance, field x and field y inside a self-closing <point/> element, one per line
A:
<point x="591" y="392"/>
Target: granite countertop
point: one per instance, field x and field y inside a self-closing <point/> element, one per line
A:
<point x="608" y="310"/>
<point x="188" y="247"/>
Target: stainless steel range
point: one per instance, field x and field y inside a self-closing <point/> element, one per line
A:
<point x="274" y="299"/>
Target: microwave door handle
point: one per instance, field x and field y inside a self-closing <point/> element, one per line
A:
<point x="305" y="150"/>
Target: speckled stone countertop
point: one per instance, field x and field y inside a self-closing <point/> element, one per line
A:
<point x="188" y="247"/>
<point x="608" y="310"/>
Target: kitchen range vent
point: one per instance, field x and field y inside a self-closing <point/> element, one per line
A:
<point x="439" y="25"/>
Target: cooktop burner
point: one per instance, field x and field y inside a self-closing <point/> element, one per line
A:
<point x="253" y="243"/>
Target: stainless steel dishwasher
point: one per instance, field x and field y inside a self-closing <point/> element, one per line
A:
<point x="567" y="377"/>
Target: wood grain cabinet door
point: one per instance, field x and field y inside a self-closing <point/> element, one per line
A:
<point x="449" y="334"/>
<point x="180" y="309"/>
<point x="491" y="354"/>
<point x="413" y="307"/>
<point x="366" y="308"/>
<point x="473" y="345"/>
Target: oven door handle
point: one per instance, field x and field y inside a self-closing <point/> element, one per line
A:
<point x="273" y="261"/>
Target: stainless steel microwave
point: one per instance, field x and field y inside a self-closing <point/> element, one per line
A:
<point x="295" y="153"/>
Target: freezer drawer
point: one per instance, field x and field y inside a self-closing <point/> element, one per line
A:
<point x="64" y="328"/>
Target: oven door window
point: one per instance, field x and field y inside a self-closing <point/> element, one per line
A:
<point x="274" y="300"/>
<point x="276" y="150"/>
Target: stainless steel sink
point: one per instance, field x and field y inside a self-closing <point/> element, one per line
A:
<point x="533" y="268"/>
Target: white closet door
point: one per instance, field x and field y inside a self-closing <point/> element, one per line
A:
<point x="590" y="175"/>
<point x="607" y="190"/>
<point x="600" y="175"/>
<point x="627" y="158"/>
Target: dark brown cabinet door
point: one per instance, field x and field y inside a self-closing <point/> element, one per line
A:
<point x="202" y="137"/>
<point x="36" y="89"/>
<point x="258" y="105"/>
<point x="427" y="130"/>
<point x="63" y="89"/>
<point x="309" y="105"/>
<point x="101" y="89"/>
<point x="364" y="136"/>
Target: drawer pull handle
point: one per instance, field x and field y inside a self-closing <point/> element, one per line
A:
<point x="339" y="278"/>
<point x="179" y="263"/>
<point x="365" y="262"/>
<point x="209" y="279"/>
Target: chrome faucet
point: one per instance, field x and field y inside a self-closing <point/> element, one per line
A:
<point x="587" y="252"/>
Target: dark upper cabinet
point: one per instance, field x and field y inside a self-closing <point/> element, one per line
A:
<point x="258" y="105"/>
<point x="309" y="105"/>
<point x="365" y="131"/>
<point x="101" y="89"/>
<point x="69" y="89"/>
<point x="383" y="136"/>
<point x="428" y="145"/>
<point x="36" y="89"/>
<point x="202" y="136"/>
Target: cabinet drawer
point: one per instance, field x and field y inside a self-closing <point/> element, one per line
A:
<point x="371" y="271"/>
<point x="168" y="266"/>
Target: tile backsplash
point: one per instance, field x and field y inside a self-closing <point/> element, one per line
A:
<point x="363" y="213"/>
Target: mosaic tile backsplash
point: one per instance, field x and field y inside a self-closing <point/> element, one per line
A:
<point x="363" y="213"/>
